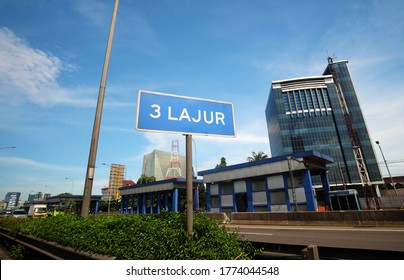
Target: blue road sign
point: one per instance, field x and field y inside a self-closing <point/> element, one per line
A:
<point x="161" y="112"/>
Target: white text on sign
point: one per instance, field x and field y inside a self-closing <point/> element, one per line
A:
<point x="196" y="117"/>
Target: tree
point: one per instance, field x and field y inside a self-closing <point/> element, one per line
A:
<point x="257" y="156"/>
<point x="146" y="179"/>
<point x="64" y="194"/>
<point x="222" y="163"/>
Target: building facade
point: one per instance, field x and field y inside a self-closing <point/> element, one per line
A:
<point x="278" y="184"/>
<point x="154" y="197"/>
<point x="158" y="162"/>
<point x="12" y="199"/>
<point x="306" y="114"/>
<point x="116" y="178"/>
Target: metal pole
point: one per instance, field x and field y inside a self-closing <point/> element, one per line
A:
<point x="97" y="121"/>
<point x="196" y="175"/>
<point x="190" y="206"/>
<point x="387" y="167"/>
<point x="72" y="183"/>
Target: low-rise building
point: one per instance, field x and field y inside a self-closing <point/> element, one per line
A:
<point x="277" y="184"/>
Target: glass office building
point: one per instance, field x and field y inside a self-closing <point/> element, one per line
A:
<point x="305" y="114"/>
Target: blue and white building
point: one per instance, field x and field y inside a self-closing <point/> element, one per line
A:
<point x="277" y="184"/>
<point x="154" y="197"/>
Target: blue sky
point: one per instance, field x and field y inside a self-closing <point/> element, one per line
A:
<point x="52" y="53"/>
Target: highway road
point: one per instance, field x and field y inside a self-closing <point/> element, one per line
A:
<point x="370" y="238"/>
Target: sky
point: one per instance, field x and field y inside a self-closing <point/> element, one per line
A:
<point x="52" y="54"/>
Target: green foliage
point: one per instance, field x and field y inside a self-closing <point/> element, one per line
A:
<point x="159" y="237"/>
<point x="222" y="163"/>
<point x="17" y="252"/>
<point x="257" y="156"/>
<point x="145" y="179"/>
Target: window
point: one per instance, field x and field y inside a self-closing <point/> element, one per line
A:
<point x="278" y="197"/>
<point x="305" y="101"/>
<point x="214" y="201"/>
<point x="226" y="188"/>
<point x="260" y="208"/>
<point x="258" y="185"/>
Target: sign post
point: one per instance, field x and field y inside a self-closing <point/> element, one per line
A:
<point x="190" y="197"/>
<point x="162" y="112"/>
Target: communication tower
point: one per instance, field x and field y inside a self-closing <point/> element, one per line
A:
<point x="360" y="162"/>
<point x="174" y="168"/>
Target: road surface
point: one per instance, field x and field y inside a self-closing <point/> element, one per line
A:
<point x="372" y="238"/>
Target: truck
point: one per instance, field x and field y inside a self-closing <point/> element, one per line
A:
<point x="37" y="210"/>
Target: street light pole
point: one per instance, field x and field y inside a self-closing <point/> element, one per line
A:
<point x="97" y="121"/>
<point x="72" y="183"/>
<point x="387" y="167"/>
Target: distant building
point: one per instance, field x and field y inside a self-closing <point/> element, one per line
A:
<point x="31" y="197"/>
<point x="157" y="163"/>
<point x="38" y="196"/>
<point x="107" y="193"/>
<point x="12" y="200"/>
<point x="116" y="177"/>
<point x="305" y="114"/>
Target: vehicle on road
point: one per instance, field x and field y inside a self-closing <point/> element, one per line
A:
<point x="19" y="213"/>
<point x="37" y="210"/>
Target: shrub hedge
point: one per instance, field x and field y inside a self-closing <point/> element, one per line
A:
<point x="135" y="237"/>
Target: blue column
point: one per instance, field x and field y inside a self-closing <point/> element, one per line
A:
<point x="158" y="203"/>
<point x="121" y="206"/>
<point x="175" y="200"/>
<point x="96" y="207"/>
<point x="151" y="203"/>
<point x="308" y="191"/>
<point x="144" y="203"/>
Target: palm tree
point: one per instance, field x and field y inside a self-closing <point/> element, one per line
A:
<point x="257" y="156"/>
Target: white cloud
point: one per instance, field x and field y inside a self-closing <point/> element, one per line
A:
<point x="27" y="69"/>
<point x="32" y="164"/>
<point x="31" y="74"/>
<point x="95" y="11"/>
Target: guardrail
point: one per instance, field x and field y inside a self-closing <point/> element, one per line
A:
<point x="50" y="250"/>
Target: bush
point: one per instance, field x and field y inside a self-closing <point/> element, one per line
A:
<point x="147" y="237"/>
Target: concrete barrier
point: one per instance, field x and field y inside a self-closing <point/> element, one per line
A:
<point x="221" y="217"/>
<point x="332" y="218"/>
